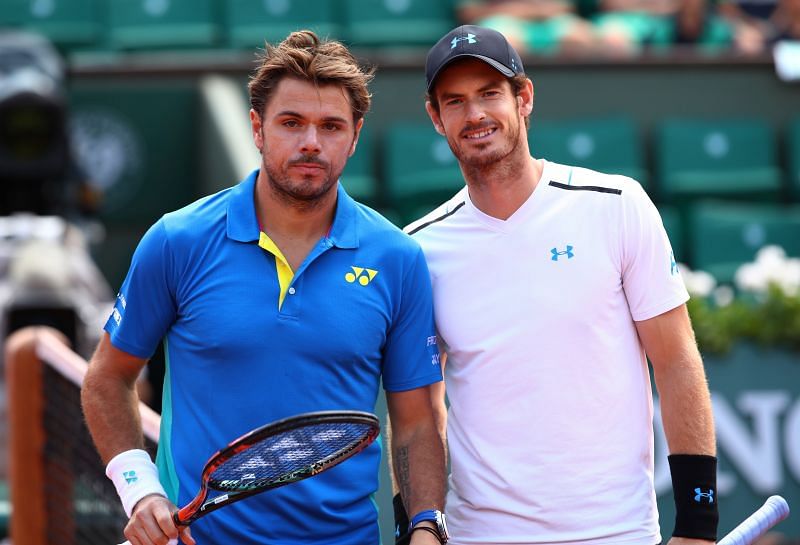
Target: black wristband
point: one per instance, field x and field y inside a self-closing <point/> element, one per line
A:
<point x="401" y="533"/>
<point x="694" y="486"/>
<point x="427" y="529"/>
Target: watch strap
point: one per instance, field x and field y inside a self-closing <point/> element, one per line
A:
<point x="429" y="514"/>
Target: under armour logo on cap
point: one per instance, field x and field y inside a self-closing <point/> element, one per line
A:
<point x="469" y="37"/>
<point x="473" y="41"/>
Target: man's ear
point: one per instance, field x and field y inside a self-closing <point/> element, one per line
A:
<point x="525" y="99"/>
<point x="355" y="137"/>
<point x="435" y="118"/>
<point x="255" y="127"/>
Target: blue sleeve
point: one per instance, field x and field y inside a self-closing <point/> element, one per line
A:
<point x="146" y="306"/>
<point x="411" y="356"/>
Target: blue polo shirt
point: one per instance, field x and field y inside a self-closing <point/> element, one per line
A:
<point x="358" y="310"/>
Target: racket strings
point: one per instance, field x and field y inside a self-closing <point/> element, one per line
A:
<point x="289" y="455"/>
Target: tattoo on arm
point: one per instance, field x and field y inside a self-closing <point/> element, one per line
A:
<point x="403" y="478"/>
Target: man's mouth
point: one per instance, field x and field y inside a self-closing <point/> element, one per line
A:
<point x="482" y="133"/>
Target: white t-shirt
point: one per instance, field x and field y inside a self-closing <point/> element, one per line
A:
<point x="550" y="420"/>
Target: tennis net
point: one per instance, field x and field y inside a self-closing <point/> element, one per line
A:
<point x="59" y="491"/>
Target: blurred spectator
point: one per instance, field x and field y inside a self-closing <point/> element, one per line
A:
<point x="786" y="21"/>
<point x="627" y="26"/>
<point x="532" y="26"/>
<point x="617" y="27"/>
<point x="696" y="22"/>
<point x="752" y="21"/>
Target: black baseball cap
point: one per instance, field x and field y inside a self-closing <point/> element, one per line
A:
<point x="473" y="41"/>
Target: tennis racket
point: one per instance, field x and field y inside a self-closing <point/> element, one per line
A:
<point x="774" y="510"/>
<point x="277" y="454"/>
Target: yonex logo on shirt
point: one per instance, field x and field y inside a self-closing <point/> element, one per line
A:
<point x="362" y="275"/>
<point x="556" y="254"/>
<point x="470" y="38"/>
<point x="673" y="265"/>
<point x="699" y="495"/>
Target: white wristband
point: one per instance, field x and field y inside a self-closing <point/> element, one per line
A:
<point x="135" y="476"/>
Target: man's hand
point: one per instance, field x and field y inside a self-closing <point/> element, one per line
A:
<point x="151" y="523"/>
<point x="688" y="541"/>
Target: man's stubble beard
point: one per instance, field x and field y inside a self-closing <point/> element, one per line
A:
<point x="305" y="193"/>
<point x="477" y="167"/>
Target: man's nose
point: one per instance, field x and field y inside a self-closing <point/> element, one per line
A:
<point x="310" y="142"/>
<point x="475" y="111"/>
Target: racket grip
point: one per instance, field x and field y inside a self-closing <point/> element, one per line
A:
<point x="774" y="510"/>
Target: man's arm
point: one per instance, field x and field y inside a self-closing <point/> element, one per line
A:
<point x="110" y="406"/>
<point x="437" y="393"/>
<point x="439" y="406"/>
<point x="680" y="379"/>
<point x="669" y="342"/>
<point x="110" y="402"/>
<point x="418" y="453"/>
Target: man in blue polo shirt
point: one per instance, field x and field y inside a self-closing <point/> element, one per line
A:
<point x="278" y="296"/>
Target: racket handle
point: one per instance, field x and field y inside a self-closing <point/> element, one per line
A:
<point x="774" y="510"/>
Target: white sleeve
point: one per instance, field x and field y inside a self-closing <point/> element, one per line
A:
<point x="650" y="275"/>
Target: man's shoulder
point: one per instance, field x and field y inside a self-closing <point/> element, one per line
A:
<point x="200" y="215"/>
<point x="375" y="227"/>
<point x="587" y="181"/>
<point x="586" y="189"/>
<point x="439" y="216"/>
<point x="194" y="226"/>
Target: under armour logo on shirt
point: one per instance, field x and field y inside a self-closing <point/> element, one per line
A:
<point x="556" y="254"/>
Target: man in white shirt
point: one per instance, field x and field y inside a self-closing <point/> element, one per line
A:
<point x="553" y="285"/>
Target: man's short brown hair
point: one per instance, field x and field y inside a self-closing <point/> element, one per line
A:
<point x="304" y="56"/>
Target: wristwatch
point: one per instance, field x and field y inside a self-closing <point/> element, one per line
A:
<point x="435" y="516"/>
